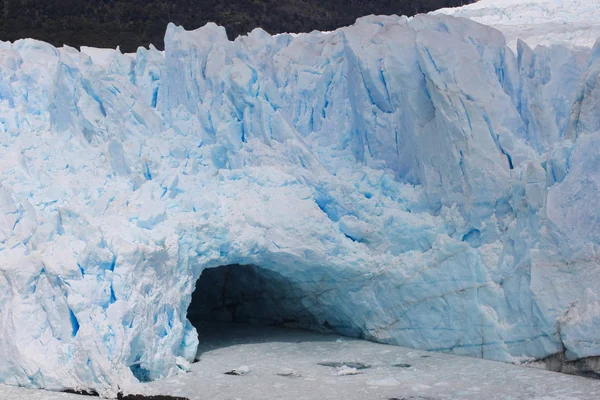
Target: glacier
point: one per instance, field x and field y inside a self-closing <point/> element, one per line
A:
<point x="413" y="181"/>
<point x="546" y="22"/>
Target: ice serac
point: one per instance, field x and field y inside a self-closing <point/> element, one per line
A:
<point x="409" y="181"/>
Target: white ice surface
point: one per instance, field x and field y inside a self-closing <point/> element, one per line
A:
<point x="545" y="22"/>
<point x="414" y="182"/>
<point x="430" y="375"/>
<point x="271" y="351"/>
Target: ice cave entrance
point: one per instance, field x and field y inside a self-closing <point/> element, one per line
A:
<point x="248" y="294"/>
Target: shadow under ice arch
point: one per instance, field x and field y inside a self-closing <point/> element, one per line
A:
<point x="310" y="298"/>
<point x="252" y="294"/>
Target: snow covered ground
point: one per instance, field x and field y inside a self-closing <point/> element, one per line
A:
<point x="287" y="364"/>
<point x="545" y="22"/>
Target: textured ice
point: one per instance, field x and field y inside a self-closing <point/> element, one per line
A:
<point x="545" y="22"/>
<point x="415" y="181"/>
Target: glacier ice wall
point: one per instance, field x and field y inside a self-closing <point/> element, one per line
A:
<point x="417" y="181"/>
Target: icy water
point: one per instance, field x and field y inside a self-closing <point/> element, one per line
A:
<point x="247" y="362"/>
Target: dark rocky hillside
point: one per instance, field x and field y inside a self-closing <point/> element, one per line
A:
<point x="133" y="23"/>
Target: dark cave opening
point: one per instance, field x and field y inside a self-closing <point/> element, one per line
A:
<point x="249" y="294"/>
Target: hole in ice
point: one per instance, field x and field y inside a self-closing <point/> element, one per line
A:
<point x="248" y="294"/>
<point x="473" y="238"/>
<point x="142" y="374"/>
<point x="229" y="297"/>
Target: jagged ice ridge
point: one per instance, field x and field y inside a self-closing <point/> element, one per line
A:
<point x="415" y="181"/>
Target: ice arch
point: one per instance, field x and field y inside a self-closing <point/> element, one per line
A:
<point x="302" y="297"/>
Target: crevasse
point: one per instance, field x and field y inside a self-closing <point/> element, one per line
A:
<point x="414" y="180"/>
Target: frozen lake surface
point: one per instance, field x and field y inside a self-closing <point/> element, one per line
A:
<point x="276" y="363"/>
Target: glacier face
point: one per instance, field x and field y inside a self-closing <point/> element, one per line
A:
<point x="415" y="180"/>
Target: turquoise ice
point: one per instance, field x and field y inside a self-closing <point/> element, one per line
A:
<point x="415" y="180"/>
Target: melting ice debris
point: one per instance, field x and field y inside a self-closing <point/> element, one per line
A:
<point x="345" y="370"/>
<point x="289" y="373"/>
<point x="409" y="181"/>
<point x="351" y="364"/>
<point x="243" y="370"/>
